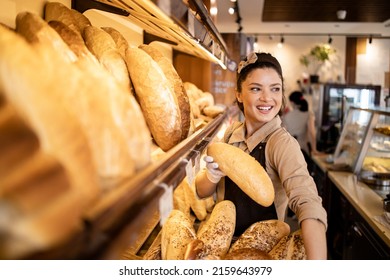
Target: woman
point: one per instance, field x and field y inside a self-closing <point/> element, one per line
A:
<point x="300" y="122"/>
<point x="260" y="96"/>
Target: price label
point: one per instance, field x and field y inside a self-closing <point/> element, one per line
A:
<point x="165" y="202"/>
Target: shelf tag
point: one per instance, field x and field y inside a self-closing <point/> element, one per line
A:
<point x="165" y="203"/>
<point x="189" y="172"/>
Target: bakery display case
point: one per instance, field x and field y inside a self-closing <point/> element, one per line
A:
<point x="121" y="220"/>
<point x="364" y="145"/>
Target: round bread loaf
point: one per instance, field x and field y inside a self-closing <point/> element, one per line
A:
<point x="244" y="170"/>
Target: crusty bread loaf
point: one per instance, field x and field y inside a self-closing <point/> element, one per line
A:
<point x="247" y="254"/>
<point x="72" y="18"/>
<point x="217" y="231"/>
<point x="245" y="171"/>
<point x="176" y="233"/>
<point x="262" y="235"/>
<point x="118" y="38"/>
<point x="106" y="112"/>
<point x="194" y="250"/>
<point x="101" y="44"/>
<point x="180" y="199"/>
<point x="177" y="86"/>
<point x="74" y="41"/>
<point x="213" y="111"/>
<point x="35" y="30"/>
<point x="155" y="97"/>
<point x="290" y="247"/>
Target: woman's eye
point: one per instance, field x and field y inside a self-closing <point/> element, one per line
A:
<point x="276" y="89"/>
<point x="255" y="89"/>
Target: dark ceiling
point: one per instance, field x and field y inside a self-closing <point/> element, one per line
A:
<point x="325" y="10"/>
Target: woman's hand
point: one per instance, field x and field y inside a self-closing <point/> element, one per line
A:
<point x="213" y="173"/>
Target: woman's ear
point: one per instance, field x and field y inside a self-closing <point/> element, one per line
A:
<point x="238" y="96"/>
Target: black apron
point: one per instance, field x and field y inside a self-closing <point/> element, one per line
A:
<point x="247" y="210"/>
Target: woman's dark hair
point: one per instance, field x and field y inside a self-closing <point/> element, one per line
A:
<point x="298" y="99"/>
<point x="264" y="60"/>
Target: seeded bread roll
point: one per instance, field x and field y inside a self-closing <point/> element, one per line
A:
<point x="263" y="235"/>
<point x="156" y="98"/>
<point x="245" y="171"/>
<point x="290" y="247"/>
<point x="176" y="233"/>
<point x="217" y="232"/>
<point x="247" y="254"/>
<point x="177" y="86"/>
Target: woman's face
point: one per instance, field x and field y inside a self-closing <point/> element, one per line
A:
<point x="261" y="95"/>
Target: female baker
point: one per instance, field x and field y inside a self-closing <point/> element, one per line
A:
<point x="260" y="96"/>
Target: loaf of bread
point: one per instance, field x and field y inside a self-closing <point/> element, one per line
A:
<point x="244" y="170"/>
<point x="118" y="38"/>
<point x="180" y="199"/>
<point x="176" y="84"/>
<point x="290" y="247"/>
<point x="74" y="41"/>
<point x="70" y="17"/>
<point x="247" y="254"/>
<point x="176" y="233"/>
<point x="156" y="98"/>
<point x="103" y="46"/>
<point x="263" y="235"/>
<point x="35" y="30"/>
<point x="217" y="231"/>
<point x="105" y="110"/>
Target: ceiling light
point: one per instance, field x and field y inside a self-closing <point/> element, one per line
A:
<point x="341" y="14"/>
<point x="231" y="10"/>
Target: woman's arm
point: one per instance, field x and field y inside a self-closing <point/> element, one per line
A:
<point x="314" y="238"/>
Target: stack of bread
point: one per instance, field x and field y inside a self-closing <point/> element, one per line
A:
<point x="80" y="110"/>
<point x="182" y="239"/>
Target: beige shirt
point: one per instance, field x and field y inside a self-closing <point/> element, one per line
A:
<point x="286" y="166"/>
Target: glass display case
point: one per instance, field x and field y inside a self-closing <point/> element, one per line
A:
<point x="364" y="144"/>
<point x="330" y="103"/>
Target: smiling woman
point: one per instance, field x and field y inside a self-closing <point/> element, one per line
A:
<point x="260" y="96"/>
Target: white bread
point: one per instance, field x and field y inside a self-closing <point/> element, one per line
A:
<point x="72" y="18"/>
<point x="156" y="98"/>
<point x="176" y="233"/>
<point x="217" y="231"/>
<point x="263" y="235"/>
<point x="101" y="44"/>
<point x="290" y="247"/>
<point x="176" y="84"/>
<point x="244" y="170"/>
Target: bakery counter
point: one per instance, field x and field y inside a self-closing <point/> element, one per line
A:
<point x="354" y="211"/>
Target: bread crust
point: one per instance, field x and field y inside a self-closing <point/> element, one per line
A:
<point x="244" y="170"/>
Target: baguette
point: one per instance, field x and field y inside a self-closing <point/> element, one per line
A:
<point x="176" y="84"/>
<point x="245" y="171"/>
<point x="176" y="233"/>
<point x="263" y="235"/>
<point x="217" y="232"/>
<point x="156" y="98"/>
